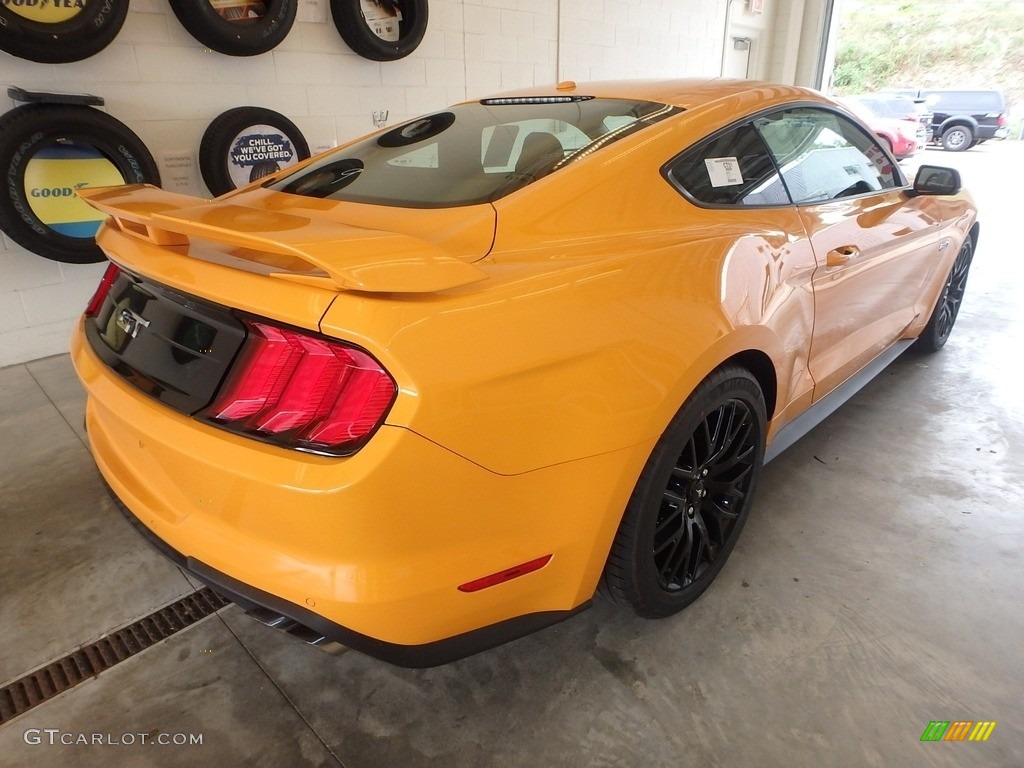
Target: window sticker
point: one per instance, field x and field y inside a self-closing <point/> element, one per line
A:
<point x="723" y="171"/>
<point x="421" y="157"/>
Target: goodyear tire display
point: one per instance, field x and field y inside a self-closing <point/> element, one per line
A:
<point x="237" y="27"/>
<point x="248" y="143"/>
<point x="52" y="31"/>
<point x="382" y="30"/>
<point x="47" y="151"/>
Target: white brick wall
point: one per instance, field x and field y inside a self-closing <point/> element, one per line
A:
<point x="167" y="87"/>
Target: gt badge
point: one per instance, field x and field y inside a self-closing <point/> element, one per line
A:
<point x="130" y="322"/>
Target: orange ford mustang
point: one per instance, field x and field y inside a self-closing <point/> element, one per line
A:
<point x="431" y="390"/>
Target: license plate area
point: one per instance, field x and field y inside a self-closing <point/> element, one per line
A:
<point x="174" y="347"/>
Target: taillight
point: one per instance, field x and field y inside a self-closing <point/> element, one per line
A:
<point x="102" y="289"/>
<point x="303" y="391"/>
<point x="1001" y="120"/>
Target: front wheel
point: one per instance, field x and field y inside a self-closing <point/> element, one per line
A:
<point x="940" y="324"/>
<point x="692" y="498"/>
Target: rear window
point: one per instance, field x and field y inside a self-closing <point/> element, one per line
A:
<point x="964" y="101"/>
<point x="471" y="153"/>
<point x="895" y="107"/>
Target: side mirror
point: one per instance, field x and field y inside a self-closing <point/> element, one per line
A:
<point x="937" y="180"/>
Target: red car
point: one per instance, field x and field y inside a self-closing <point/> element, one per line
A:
<point x="901" y="136"/>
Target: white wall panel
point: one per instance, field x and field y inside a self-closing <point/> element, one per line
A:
<point x="167" y="87"/>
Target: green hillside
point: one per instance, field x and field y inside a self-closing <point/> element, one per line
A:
<point x="931" y="43"/>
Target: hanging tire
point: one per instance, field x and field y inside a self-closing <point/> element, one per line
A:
<point x="246" y="144"/>
<point x="44" y="32"/>
<point x="47" y="151"/>
<point x="237" y="27"/>
<point x="692" y="498"/>
<point x="381" y="30"/>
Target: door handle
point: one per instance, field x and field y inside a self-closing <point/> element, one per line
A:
<point x="837" y="257"/>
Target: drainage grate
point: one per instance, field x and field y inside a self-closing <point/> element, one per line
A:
<point x="45" y="683"/>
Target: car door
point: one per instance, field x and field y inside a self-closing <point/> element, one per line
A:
<point x="765" y="279"/>
<point x="874" y="246"/>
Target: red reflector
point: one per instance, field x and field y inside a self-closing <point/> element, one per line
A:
<point x="102" y="289"/>
<point x="303" y="391"/>
<point x="507" y="575"/>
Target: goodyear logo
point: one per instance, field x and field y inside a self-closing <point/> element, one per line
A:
<point x="51" y="178"/>
<point x="45" y="11"/>
<point x="958" y="730"/>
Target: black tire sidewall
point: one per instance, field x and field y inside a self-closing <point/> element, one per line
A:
<point x="249" y="38"/>
<point x="87" y="33"/>
<point x="216" y="145"/>
<point x="930" y="340"/>
<point x="23" y="133"/>
<point x="354" y="30"/>
<point x="648" y="598"/>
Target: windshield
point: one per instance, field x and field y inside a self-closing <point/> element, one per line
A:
<point x="471" y="153"/>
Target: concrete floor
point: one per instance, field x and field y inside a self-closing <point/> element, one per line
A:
<point x="878" y="586"/>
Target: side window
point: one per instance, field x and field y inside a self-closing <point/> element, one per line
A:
<point x="824" y="156"/>
<point x="733" y="168"/>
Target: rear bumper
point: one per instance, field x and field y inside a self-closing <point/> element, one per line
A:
<point x="368" y="550"/>
<point x="986" y="132"/>
<point x="313" y="628"/>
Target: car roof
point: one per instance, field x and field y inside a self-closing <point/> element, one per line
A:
<point x="687" y="93"/>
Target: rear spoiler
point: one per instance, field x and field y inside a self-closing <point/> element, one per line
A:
<point x="317" y="252"/>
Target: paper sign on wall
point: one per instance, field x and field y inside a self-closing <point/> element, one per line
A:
<point x="313" y="11"/>
<point x="178" y="171"/>
<point x="723" y="171"/>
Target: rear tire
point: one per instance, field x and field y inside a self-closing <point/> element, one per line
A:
<point x="692" y="498"/>
<point x="957" y="139"/>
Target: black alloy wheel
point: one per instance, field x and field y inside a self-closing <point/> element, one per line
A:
<point x="692" y="499"/>
<point x="940" y="324"/>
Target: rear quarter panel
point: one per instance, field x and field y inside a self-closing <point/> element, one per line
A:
<point x="609" y="298"/>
